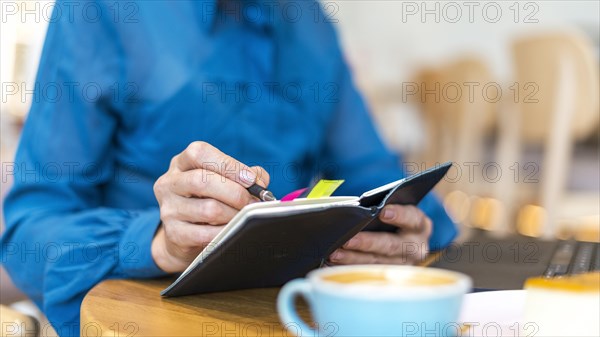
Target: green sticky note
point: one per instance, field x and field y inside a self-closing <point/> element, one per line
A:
<point x="324" y="188"/>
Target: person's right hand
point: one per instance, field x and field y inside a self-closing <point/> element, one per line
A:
<point x="202" y="190"/>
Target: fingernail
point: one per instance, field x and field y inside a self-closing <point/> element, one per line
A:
<point x="353" y="243"/>
<point x="336" y="256"/>
<point x="387" y="214"/>
<point x="248" y="177"/>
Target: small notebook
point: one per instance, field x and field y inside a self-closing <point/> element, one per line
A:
<point x="269" y="243"/>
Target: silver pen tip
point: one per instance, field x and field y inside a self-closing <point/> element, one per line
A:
<point x="267" y="196"/>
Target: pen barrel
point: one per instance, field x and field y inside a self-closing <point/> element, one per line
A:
<point x="261" y="193"/>
<point x="255" y="190"/>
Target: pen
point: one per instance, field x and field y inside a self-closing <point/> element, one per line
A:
<point x="261" y="193"/>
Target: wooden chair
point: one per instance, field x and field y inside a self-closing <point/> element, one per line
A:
<point x="457" y="125"/>
<point x="15" y="323"/>
<point x="556" y="105"/>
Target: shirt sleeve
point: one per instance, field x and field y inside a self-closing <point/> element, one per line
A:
<point x="354" y="152"/>
<point x="60" y="239"/>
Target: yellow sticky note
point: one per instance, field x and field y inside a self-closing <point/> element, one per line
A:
<point x="324" y="188"/>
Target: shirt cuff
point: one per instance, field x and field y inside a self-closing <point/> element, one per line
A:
<point x="135" y="255"/>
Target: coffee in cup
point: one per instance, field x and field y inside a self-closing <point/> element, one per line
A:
<point x="376" y="300"/>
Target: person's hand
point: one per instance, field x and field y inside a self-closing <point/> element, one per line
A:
<point x="408" y="246"/>
<point x="202" y="190"/>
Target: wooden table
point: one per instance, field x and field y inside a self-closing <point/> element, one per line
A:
<point x="126" y="308"/>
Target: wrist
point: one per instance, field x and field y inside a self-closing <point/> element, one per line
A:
<point x="158" y="250"/>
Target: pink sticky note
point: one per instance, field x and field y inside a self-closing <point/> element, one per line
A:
<point x="293" y="195"/>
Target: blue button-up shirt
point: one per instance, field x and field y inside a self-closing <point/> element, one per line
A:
<point x="119" y="93"/>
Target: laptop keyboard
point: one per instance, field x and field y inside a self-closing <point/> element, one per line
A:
<point x="574" y="257"/>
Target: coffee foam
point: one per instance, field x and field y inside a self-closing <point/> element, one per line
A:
<point x="390" y="277"/>
<point x="390" y="281"/>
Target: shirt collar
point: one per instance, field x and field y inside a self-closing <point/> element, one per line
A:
<point x="261" y="14"/>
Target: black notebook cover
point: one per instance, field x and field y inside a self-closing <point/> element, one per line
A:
<point x="269" y="249"/>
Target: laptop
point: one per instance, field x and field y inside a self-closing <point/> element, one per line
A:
<point x="504" y="263"/>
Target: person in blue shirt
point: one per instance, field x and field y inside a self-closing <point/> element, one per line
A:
<point x="148" y="122"/>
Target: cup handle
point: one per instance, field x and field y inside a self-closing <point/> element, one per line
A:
<point x="287" y="310"/>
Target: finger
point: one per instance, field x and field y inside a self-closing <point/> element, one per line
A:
<point x="194" y="210"/>
<point x="416" y="246"/>
<point x="262" y="176"/>
<point x="188" y="237"/>
<point x="207" y="184"/>
<point x="201" y="155"/>
<point x="389" y="244"/>
<point x="427" y="227"/>
<point x="408" y="217"/>
<point x="343" y="256"/>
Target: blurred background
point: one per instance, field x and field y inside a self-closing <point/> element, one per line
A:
<point x="507" y="90"/>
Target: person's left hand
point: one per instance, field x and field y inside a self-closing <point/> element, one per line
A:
<point x="408" y="246"/>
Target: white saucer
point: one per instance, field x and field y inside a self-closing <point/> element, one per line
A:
<point x="495" y="313"/>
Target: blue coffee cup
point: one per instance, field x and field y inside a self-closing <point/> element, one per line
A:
<point x="376" y="300"/>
